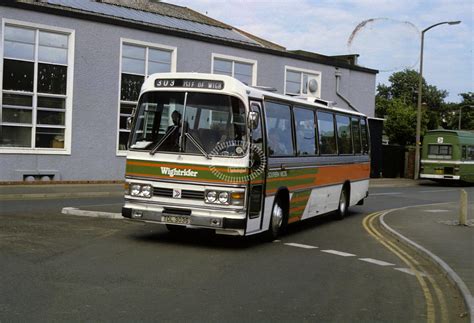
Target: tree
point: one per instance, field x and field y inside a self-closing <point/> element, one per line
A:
<point x="402" y="93"/>
<point x="451" y="113"/>
<point x="401" y="119"/>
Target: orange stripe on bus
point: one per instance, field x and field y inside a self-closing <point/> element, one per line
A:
<point x="298" y="208"/>
<point x="340" y="173"/>
<point x="301" y="198"/>
<point x="290" y="178"/>
<point x="333" y="175"/>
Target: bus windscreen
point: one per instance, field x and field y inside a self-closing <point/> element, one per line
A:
<point x="210" y="121"/>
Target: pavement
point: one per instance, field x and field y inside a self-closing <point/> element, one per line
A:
<point x="432" y="230"/>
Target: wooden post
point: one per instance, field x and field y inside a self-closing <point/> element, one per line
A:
<point x="463" y="208"/>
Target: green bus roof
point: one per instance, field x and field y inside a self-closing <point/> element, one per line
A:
<point x="460" y="133"/>
<point x="463" y="137"/>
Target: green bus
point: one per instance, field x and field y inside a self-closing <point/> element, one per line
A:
<point x="448" y="155"/>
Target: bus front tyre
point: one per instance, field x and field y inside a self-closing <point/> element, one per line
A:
<point x="277" y="222"/>
<point x="343" y="205"/>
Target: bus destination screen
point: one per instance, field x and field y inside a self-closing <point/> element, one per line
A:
<point x="190" y="83"/>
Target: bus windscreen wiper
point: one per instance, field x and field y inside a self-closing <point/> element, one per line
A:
<point x="162" y="140"/>
<point x="197" y="144"/>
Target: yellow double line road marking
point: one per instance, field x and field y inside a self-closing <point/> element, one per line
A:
<point x="414" y="265"/>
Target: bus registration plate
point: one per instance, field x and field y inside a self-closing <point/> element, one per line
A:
<point x="439" y="172"/>
<point x="176" y="219"/>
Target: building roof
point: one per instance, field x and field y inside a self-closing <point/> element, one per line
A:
<point x="178" y="18"/>
<point x="175" y="20"/>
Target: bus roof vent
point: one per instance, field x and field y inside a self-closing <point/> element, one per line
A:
<point x="328" y="104"/>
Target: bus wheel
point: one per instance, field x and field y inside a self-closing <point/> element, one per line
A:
<point x="343" y="204"/>
<point x="175" y="228"/>
<point x="276" y="221"/>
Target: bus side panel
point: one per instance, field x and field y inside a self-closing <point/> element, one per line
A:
<point x="359" y="190"/>
<point x="323" y="200"/>
<point x="467" y="171"/>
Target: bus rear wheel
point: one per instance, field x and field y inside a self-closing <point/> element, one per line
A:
<point x="343" y="204"/>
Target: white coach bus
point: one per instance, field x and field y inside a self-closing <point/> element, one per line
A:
<point x="208" y="151"/>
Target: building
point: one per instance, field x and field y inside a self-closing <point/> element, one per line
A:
<point x="71" y="72"/>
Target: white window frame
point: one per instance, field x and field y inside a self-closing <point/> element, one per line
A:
<point x="69" y="88"/>
<point x="318" y="74"/>
<point x="128" y="41"/>
<point x="234" y="59"/>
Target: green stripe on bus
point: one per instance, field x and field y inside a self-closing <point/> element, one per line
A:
<point x="185" y="171"/>
<point x="298" y="201"/>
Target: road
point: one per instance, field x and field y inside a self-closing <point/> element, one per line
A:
<point x="67" y="268"/>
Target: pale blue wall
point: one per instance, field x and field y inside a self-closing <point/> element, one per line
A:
<point x="95" y="90"/>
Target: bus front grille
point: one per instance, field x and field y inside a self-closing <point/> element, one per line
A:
<point x="185" y="194"/>
<point x="196" y="195"/>
<point x="173" y="211"/>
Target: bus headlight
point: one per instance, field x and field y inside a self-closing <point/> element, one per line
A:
<point x="211" y="196"/>
<point x="147" y="191"/>
<point x="139" y="190"/>
<point x="224" y="197"/>
<point x="135" y="190"/>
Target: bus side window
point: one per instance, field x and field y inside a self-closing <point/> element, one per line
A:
<point x="469" y="152"/>
<point x="344" y="140"/>
<point x="356" y="135"/>
<point x="305" y="132"/>
<point x="327" y="133"/>
<point x="365" y="137"/>
<point x="279" y="133"/>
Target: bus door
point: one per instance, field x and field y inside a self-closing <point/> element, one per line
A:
<point x="258" y="169"/>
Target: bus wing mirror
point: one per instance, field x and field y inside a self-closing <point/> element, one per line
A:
<point x="253" y="120"/>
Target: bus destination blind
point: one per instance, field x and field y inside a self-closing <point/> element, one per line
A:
<point x="190" y="83"/>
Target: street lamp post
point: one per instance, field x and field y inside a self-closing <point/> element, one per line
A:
<point x="420" y="83"/>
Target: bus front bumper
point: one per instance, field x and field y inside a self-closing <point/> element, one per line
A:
<point x="439" y="176"/>
<point x="220" y="221"/>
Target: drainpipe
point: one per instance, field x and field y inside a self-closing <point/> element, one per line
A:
<point x="339" y="94"/>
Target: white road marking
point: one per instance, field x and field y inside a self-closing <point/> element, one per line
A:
<point x="338" y="253"/>
<point x="434" y="191"/>
<point x="436" y="211"/>
<point x="299" y="245"/>
<point x="409" y="271"/>
<point x="276" y="241"/>
<point x="388" y="193"/>
<point x="377" y="262"/>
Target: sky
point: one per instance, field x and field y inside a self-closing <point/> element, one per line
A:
<point x="389" y="43"/>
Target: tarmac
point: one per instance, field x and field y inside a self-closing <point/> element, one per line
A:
<point x="432" y="230"/>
